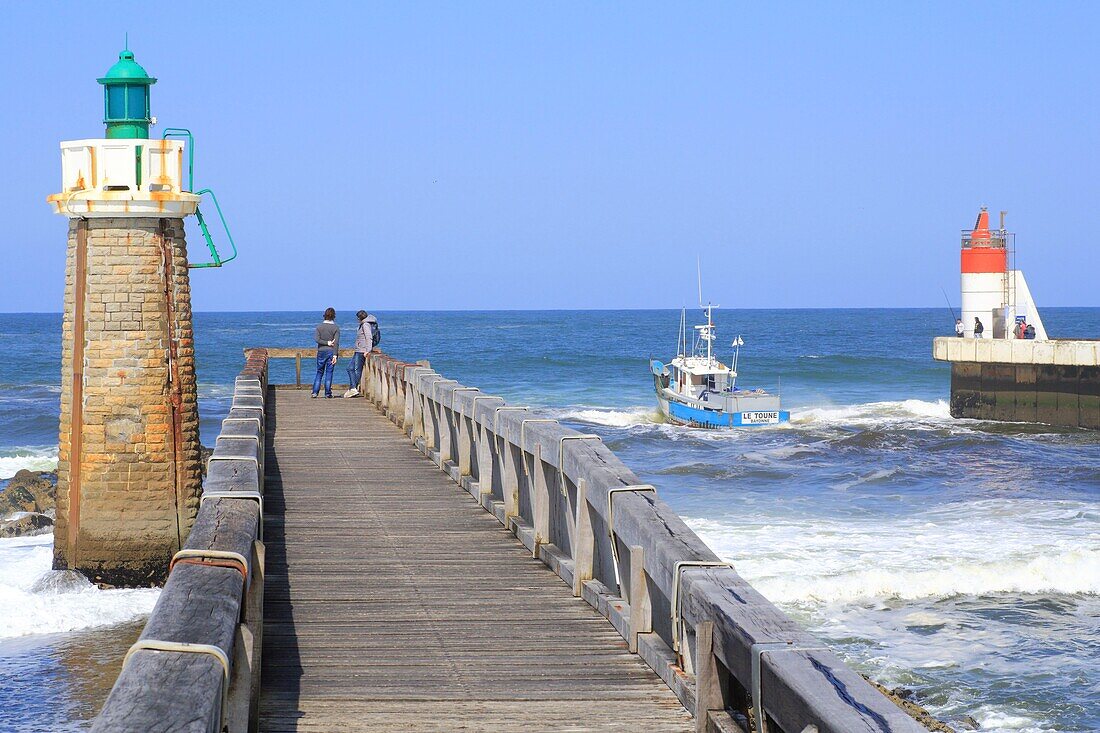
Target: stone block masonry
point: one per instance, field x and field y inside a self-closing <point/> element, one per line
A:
<point x="129" y="475"/>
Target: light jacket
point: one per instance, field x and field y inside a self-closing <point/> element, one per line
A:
<point x="364" y="338"/>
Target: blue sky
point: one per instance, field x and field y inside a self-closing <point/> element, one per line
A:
<point x="565" y="155"/>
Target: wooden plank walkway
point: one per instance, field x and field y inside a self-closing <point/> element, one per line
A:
<point x="393" y="601"/>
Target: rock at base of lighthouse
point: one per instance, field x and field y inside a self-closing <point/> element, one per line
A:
<point x="129" y="465"/>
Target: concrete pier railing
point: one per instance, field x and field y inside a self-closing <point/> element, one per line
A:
<point x="724" y="649"/>
<point x="196" y="665"/>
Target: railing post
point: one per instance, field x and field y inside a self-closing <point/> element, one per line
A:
<point x="446" y="433"/>
<point x="393" y="406"/>
<point x="509" y="484"/>
<point x="411" y="401"/>
<point x="431" y="428"/>
<point x="540" y="502"/>
<point x="709" y="686"/>
<point x="641" y="607"/>
<point x="298" y="370"/>
<point x="585" y="542"/>
<point x="399" y="398"/>
<point x="487" y="469"/>
<point x="465" y="445"/>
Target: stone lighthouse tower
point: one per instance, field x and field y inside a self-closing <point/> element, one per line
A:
<point x="129" y="465"/>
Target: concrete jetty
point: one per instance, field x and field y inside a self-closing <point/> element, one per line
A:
<point x="1056" y="382"/>
<point x="432" y="558"/>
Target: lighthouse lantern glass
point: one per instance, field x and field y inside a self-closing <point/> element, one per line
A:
<point x="127" y="101"/>
<point x="116" y="102"/>
<point x="137" y="101"/>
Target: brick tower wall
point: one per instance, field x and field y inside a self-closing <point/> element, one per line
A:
<point x="129" y="483"/>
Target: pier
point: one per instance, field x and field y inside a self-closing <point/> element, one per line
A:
<point x="1056" y="382"/>
<point x="432" y="558"/>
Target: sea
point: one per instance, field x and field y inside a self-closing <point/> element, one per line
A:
<point x="959" y="559"/>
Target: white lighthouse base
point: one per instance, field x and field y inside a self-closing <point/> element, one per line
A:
<point x="128" y="178"/>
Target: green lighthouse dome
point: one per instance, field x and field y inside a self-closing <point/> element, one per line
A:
<point x="126" y="98"/>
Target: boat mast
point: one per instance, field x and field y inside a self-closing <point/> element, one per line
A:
<point x="705" y="332"/>
<point x="681" y="337"/>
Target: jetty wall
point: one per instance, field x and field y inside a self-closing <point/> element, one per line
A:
<point x="725" y="650"/>
<point x="196" y="665"/>
<point x="1014" y="380"/>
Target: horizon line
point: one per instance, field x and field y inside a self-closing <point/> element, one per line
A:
<point x="571" y="310"/>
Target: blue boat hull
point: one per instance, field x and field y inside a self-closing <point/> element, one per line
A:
<point x="686" y="415"/>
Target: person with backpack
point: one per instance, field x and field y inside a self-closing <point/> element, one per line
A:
<point x="979" y="329"/>
<point x="367" y="336"/>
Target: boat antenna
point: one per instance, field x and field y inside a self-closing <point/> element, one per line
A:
<point x="699" y="273"/>
<point x="949" y="306"/>
<point x="681" y="337"/>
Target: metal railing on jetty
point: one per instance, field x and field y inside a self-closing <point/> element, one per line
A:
<point x="724" y="649"/>
<point x="196" y="665"/>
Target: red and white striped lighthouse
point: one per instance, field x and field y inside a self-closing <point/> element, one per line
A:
<point x="986" y="283"/>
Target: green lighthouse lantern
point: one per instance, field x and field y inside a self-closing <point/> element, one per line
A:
<point x="126" y="98"/>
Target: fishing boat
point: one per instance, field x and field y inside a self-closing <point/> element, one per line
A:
<point x="697" y="389"/>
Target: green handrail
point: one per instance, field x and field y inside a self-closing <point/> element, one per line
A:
<point x="184" y="132"/>
<point x="217" y="260"/>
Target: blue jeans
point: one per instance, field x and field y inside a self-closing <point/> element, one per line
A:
<point x="324" y="369"/>
<point x="355" y="371"/>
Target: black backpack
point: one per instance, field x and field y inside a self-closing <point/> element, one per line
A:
<point x="375" y="332"/>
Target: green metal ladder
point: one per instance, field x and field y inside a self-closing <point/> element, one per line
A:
<point x="215" y="257"/>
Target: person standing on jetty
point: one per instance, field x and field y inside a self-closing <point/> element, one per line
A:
<point x="959" y="327"/>
<point x="364" y="344"/>
<point x="327" y="337"/>
<point x="979" y="329"/>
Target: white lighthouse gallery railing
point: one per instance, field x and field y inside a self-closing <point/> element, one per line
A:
<point x="724" y="649"/>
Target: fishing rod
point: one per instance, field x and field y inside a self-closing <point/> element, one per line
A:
<point x="949" y="306"/>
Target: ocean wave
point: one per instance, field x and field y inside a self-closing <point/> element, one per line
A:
<point x="13" y="460"/>
<point x="37" y="600"/>
<point x="892" y="412"/>
<point x="911" y="413"/>
<point x="975" y="548"/>
<point x="631" y="417"/>
<point x="867" y="478"/>
<point x="995" y="719"/>
<point x="783" y="453"/>
<point x="215" y="391"/>
<point x="1076" y="571"/>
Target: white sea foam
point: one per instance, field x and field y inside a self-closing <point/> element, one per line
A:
<point x="996" y="720"/>
<point x="913" y="412"/>
<point x="893" y="592"/>
<point x="609" y="418"/>
<point x="36" y="600"/>
<point x="12" y="460"/>
<point x="974" y="548"/>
